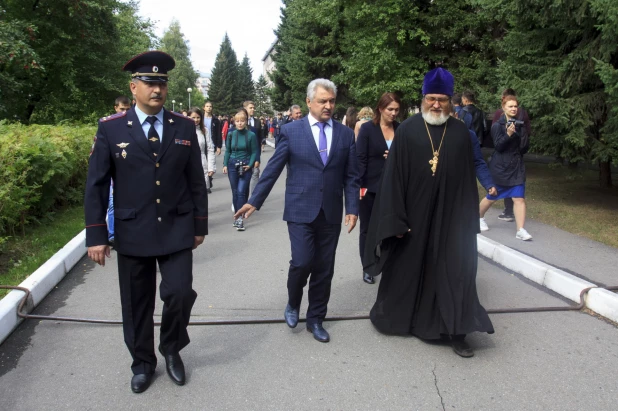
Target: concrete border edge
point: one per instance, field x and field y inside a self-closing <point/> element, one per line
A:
<point x="41" y="282"/>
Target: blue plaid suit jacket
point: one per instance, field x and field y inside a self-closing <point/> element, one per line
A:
<point x="310" y="184"/>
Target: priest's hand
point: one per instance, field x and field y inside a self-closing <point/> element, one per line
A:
<point x="350" y="219"/>
<point x="401" y="235"/>
<point x="492" y="191"/>
<point x="245" y="211"/>
<point x="198" y="239"/>
<point x="98" y="253"/>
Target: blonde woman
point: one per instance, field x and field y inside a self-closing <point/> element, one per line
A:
<point x="365" y="115"/>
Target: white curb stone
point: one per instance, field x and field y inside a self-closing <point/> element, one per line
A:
<point x="41" y="282"/>
<point x="565" y="284"/>
<point x="603" y="302"/>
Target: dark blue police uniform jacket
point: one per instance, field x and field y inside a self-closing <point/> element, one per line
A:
<point x="310" y="184"/>
<point x="160" y="202"/>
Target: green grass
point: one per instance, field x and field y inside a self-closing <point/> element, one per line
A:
<point x="571" y="200"/>
<point x="20" y="256"/>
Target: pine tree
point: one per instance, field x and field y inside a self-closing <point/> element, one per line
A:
<point x="184" y="75"/>
<point x="246" y="89"/>
<point x="262" y="102"/>
<point x="223" y="79"/>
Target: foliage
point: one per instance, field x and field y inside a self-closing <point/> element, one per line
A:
<point x="82" y="45"/>
<point x="309" y="47"/>
<point x="262" y="102"/>
<point x="549" y="55"/>
<point x="223" y="80"/>
<point x="183" y="76"/>
<point x="246" y="90"/>
<point x="41" y="167"/>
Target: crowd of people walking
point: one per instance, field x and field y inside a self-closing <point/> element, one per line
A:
<point x="412" y="186"/>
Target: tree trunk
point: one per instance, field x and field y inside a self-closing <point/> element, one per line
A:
<point x="605" y="174"/>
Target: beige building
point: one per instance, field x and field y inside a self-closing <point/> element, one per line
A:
<point x="268" y="63"/>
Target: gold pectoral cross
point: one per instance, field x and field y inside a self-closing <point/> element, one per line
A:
<point x="434" y="163"/>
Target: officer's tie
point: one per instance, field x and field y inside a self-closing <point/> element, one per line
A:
<point x="153" y="136"/>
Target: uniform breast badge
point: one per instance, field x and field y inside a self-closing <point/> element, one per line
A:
<point x="153" y="139"/>
<point x="171" y="121"/>
<point x="122" y="146"/>
<point x="130" y="123"/>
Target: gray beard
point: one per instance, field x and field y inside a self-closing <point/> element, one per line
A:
<point x="433" y="120"/>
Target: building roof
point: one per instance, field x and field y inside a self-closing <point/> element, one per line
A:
<point x="270" y="49"/>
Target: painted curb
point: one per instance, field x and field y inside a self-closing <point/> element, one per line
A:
<point x="41" y="282"/>
<point x="270" y="143"/>
<point x="600" y="301"/>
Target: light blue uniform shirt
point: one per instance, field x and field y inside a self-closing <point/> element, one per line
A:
<point x="158" y="125"/>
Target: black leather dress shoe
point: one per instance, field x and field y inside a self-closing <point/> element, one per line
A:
<point x="175" y="367"/>
<point x="462" y="348"/>
<point x="319" y="333"/>
<point x="291" y="316"/>
<point x="368" y="279"/>
<point x="140" y="382"/>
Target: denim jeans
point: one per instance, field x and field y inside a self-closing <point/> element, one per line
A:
<point x="239" y="184"/>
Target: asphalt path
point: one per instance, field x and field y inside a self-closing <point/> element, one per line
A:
<point x="538" y="361"/>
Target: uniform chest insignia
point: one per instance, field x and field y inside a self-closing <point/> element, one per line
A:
<point x="130" y="123"/>
<point x="153" y="139"/>
<point x="171" y="121"/>
<point x="124" y="154"/>
<point x="123" y="145"/>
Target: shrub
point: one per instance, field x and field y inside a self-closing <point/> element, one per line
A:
<point x="41" y="168"/>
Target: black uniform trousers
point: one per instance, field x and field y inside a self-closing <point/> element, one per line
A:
<point x="364" y="215"/>
<point x="313" y="253"/>
<point x="138" y="282"/>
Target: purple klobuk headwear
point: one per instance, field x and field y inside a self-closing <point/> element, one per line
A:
<point x="438" y="81"/>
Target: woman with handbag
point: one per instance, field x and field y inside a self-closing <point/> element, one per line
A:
<point x="241" y="148"/>
<point x="207" y="146"/>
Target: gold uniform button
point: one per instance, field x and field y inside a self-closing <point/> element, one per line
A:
<point x="158" y="183"/>
<point x="159" y="219"/>
<point x="158" y="201"/>
<point x="157" y="165"/>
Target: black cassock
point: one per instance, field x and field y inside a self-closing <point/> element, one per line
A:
<point x="428" y="284"/>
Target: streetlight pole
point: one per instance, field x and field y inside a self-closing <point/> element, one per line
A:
<point x="180" y="107"/>
<point x="189" y="90"/>
<point x="173" y="103"/>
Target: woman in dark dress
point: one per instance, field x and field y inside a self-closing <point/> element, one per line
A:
<point x="372" y="146"/>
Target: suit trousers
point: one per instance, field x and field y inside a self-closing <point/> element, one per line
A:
<point x="313" y="254"/>
<point x="138" y="280"/>
<point x="364" y="215"/>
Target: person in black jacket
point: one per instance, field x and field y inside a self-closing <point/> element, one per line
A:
<point x="478" y="117"/>
<point x="507" y="165"/>
<point x="372" y="146"/>
<point x="161" y="215"/>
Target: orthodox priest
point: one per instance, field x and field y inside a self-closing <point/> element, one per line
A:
<point x="422" y="233"/>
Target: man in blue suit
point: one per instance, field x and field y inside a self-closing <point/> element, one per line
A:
<point x="322" y="168"/>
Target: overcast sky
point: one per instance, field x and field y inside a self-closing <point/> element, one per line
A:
<point x="248" y="23"/>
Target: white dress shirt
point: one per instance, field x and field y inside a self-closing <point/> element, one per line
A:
<point x="158" y="125"/>
<point x="328" y="130"/>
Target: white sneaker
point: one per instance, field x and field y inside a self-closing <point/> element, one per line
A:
<point x="522" y="234"/>
<point x="484" y="226"/>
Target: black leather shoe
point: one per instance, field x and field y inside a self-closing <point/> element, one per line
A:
<point x="319" y="333"/>
<point x="368" y="279"/>
<point x="291" y="316"/>
<point x="175" y="367"/>
<point x="462" y="348"/>
<point x="140" y="382"/>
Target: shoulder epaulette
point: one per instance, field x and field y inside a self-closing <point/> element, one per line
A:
<point x="113" y="116"/>
<point x="181" y="116"/>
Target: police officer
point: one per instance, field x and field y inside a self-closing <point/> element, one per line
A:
<point x="161" y="211"/>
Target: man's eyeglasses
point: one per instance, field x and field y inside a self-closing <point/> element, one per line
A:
<point x="441" y="100"/>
